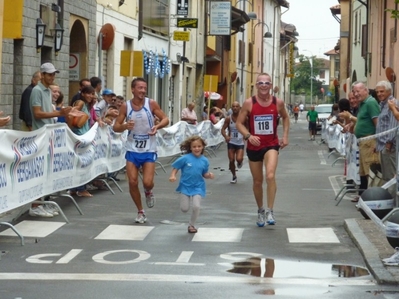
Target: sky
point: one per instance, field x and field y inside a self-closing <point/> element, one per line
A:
<point x="318" y="29"/>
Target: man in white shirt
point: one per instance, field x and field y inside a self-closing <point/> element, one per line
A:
<point x="188" y="114"/>
<point x="301" y="107"/>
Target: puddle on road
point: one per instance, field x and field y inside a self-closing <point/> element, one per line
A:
<point x="265" y="267"/>
<point x="271" y="268"/>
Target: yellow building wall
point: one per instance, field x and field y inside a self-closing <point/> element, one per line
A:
<point x="130" y="8"/>
<point x="344" y="44"/>
<point x="1" y="32"/>
<point x="12" y="11"/>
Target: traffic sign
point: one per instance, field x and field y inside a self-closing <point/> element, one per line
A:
<point x="181" y="35"/>
<point x="182" y="8"/>
<point x="187" y="22"/>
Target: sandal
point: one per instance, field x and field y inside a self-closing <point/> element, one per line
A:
<point x="192" y="229"/>
<point x="84" y="193"/>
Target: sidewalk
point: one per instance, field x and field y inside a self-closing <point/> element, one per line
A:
<point x="374" y="246"/>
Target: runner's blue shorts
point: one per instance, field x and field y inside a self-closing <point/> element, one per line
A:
<point x="139" y="159"/>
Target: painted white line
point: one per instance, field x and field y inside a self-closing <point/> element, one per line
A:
<point x="69" y="256"/>
<point x="37" y="229"/>
<point x="334" y="183"/>
<point x="124" y="232"/>
<point x="184" y="257"/>
<point x="322" y="159"/>
<point x="312" y="235"/>
<point x="313" y="189"/>
<point x="178" y="264"/>
<point x="182" y="260"/>
<point x="209" y="234"/>
<point x="181" y="278"/>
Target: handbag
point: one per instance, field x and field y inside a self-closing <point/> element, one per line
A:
<point x="77" y="118"/>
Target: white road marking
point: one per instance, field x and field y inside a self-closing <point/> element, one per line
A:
<point x="218" y="235"/>
<point x="69" y="256"/>
<point x="38" y="229"/>
<point x="182" y="260"/>
<point x="181" y="278"/>
<point x="312" y="235"/>
<point x="125" y="232"/>
<point x="322" y="159"/>
<point x="142" y="256"/>
<point x="184" y="257"/>
<point x="334" y="183"/>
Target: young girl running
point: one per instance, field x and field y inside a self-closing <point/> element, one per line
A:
<point x="194" y="168"/>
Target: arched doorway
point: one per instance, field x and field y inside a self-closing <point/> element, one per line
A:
<point x="78" y="64"/>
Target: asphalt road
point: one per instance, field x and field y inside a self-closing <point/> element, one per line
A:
<point x="104" y="254"/>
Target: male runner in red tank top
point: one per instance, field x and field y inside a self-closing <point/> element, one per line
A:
<point x="262" y="112"/>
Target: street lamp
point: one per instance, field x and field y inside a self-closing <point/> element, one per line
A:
<point x="252" y="16"/>
<point x="58" y="38"/>
<point x="267" y="34"/>
<point x="311" y="76"/>
<point x="40" y="29"/>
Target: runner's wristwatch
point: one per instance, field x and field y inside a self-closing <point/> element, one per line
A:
<point x="247" y="136"/>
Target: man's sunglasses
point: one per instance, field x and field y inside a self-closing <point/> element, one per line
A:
<point x="263" y="83"/>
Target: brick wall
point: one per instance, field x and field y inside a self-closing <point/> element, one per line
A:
<point x="20" y="58"/>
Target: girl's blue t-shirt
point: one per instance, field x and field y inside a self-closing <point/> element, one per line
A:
<point x="192" y="169"/>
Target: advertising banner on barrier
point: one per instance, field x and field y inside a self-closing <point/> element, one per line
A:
<point x="346" y="145"/>
<point x="52" y="159"/>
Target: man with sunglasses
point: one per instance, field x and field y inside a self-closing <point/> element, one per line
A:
<point x="263" y="144"/>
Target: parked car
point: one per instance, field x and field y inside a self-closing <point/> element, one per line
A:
<point x="323" y="111"/>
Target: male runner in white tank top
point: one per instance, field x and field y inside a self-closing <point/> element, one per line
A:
<point x="235" y="141"/>
<point x="137" y="116"/>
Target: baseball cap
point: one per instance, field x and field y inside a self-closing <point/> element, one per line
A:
<point x="108" y="92"/>
<point x="48" y="68"/>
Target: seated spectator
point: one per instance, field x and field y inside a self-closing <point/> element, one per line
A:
<point x="188" y="114"/>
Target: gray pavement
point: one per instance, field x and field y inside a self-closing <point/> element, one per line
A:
<point x="304" y="200"/>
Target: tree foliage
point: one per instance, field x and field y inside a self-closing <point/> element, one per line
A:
<point x="300" y="84"/>
<point x="394" y="12"/>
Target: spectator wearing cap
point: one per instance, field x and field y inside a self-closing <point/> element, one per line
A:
<point x="43" y="113"/>
<point x="40" y="100"/>
<point x="102" y="105"/>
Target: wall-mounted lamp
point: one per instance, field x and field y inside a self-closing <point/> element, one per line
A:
<point x="40" y="29"/>
<point x="58" y="38"/>
<point x="252" y="15"/>
<point x="181" y="59"/>
<point x="267" y="34"/>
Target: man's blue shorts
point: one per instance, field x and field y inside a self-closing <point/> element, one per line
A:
<point x="139" y="159"/>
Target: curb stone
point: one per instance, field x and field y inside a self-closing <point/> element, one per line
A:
<point x="369" y="252"/>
